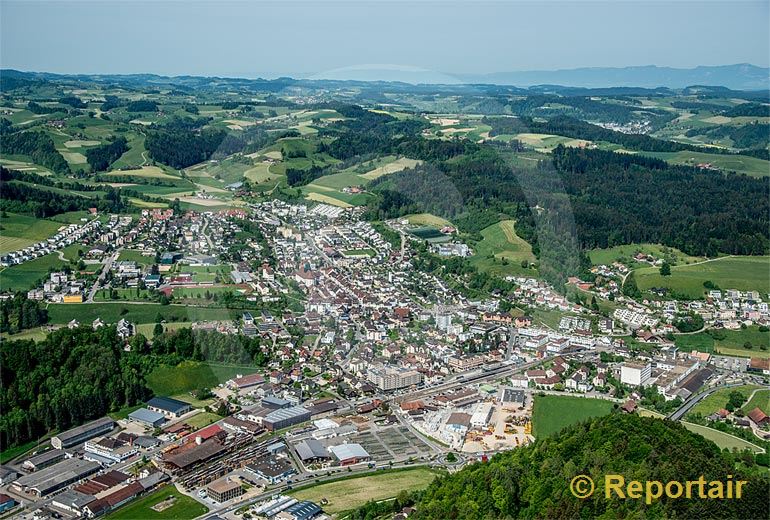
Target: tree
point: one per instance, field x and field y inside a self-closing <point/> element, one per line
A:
<point x="157" y="330"/>
<point x="665" y="269"/>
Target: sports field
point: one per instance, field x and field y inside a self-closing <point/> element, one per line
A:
<point x="744" y="273"/>
<point x="347" y="494"/>
<point x="551" y="413"/>
<point x="183" y="507"/>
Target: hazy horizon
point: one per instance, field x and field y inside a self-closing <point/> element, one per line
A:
<point x="390" y="41"/>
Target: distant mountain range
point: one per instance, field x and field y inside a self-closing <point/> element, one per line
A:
<point x="742" y="76"/>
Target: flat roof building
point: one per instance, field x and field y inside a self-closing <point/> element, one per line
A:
<point x="56" y="477"/>
<point x="147" y="417"/>
<point x="82" y="433"/>
<point x="168" y="406"/>
<point x="284" y="417"/>
<point x="224" y="489"/>
<point x="351" y="453"/>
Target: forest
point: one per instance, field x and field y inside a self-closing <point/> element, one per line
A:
<point x="533" y="481"/>
<point x="101" y="157"/>
<point x="17" y="196"/>
<point x="18" y="313"/>
<point x="180" y="148"/>
<point x="37" y="145"/>
<point x="75" y="375"/>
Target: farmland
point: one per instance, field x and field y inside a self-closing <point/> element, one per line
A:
<point x="349" y="493"/>
<point x="502" y="251"/>
<point x="625" y="254"/>
<point x="748" y="342"/>
<point x="22" y="277"/>
<point x="552" y="413"/>
<point x="191" y="375"/>
<point x="718" y="400"/>
<point x="743" y="273"/>
<point x="751" y="166"/>
<point x="20" y="231"/>
<point x="721" y="439"/>
<point x="60" y="313"/>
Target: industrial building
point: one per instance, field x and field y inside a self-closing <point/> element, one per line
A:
<point x="311" y="450"/>
<point x="82" y="433"/>
<point x="284" y="417"/>
<point x="224" y="489"/>
<point x="43" y="460"/>
<point x="351" y="453"/>
<point x="56" y="477"/>
<point x="481" y="415"/>
<point x="147" y="417"/>
<point x="271" y="469"/>
<point x="304" y="510"/>
<point x="169" y="407"/>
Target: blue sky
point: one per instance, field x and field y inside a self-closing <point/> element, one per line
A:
<point x="339" y="39"/>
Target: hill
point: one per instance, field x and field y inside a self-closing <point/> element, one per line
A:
<point x="534" y="482"/>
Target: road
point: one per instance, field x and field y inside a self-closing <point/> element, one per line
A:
<point x="677" y="414"/>
<point x="105" y="269"/>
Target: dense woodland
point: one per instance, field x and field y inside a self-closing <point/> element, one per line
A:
<point x="19" y="313"/>
<point x="75" y="375"/>
<point x="37" y="145"/>
<point x="19" y="195"/>
<point x="533" y="482"/>
<point x="180" y="147"/>
<point x="101" y="157"/>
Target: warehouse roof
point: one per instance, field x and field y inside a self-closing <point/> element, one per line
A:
<point x="286" y="413"/>
<point x="311" y="449"/>
<point x="146" y="416"/>
<point x="84" y="428"/>
<point x="349" y="451"/>
<point x="168" y="404"/>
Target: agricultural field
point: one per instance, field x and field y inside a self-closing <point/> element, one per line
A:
<point x="625" y="254"/>
<point x="23" y="277"/>
<point x="183" y="508"/>
<point x="761" y="400"/>
<point x="718" y="399"/>
<point x="191" y="375"/>
<point x="743" y="273"/>
<point x="728" y="342"/>
<point x="350" y="493"/>
<point x="502" y="251"/>
<point x="426" y="219"/>
<point x="722" y="439"/>
<point x="552" y="413"/>
<point x="751" y="166"/>
<point x="544" y="143"/>
<point x="19" y="231"/>
<point x="60" y="313"/>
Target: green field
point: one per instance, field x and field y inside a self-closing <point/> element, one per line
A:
<point x="190" y="375"/>
<point x="23" y="277"/>
<point x="718" y="399"/>
<point x="184" y="508"/>
<point x="625" y="254"/>
<point x="501" y="251"/>
<point x="743" y="273"/>
<point x="721" y="439"/>
<point x="728" y="342"/>
<point x="738" y="163"/>
<point x="20" y="231"/>
<point x="760" y="400"/>
<point x="135" y="312"/>
<point x="350" y="493"/>
<point x="130" y="255"/>
<point x="202" y="419"/>
<point x="551" y="413"/>
<point x="426" y="219"/>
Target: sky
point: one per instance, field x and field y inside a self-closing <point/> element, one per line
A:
<point x="348" y="39"/>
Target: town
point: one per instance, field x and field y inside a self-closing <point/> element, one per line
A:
<point x="372" y="364"/>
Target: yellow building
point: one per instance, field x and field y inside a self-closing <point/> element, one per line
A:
<point x="73" y="298"/>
